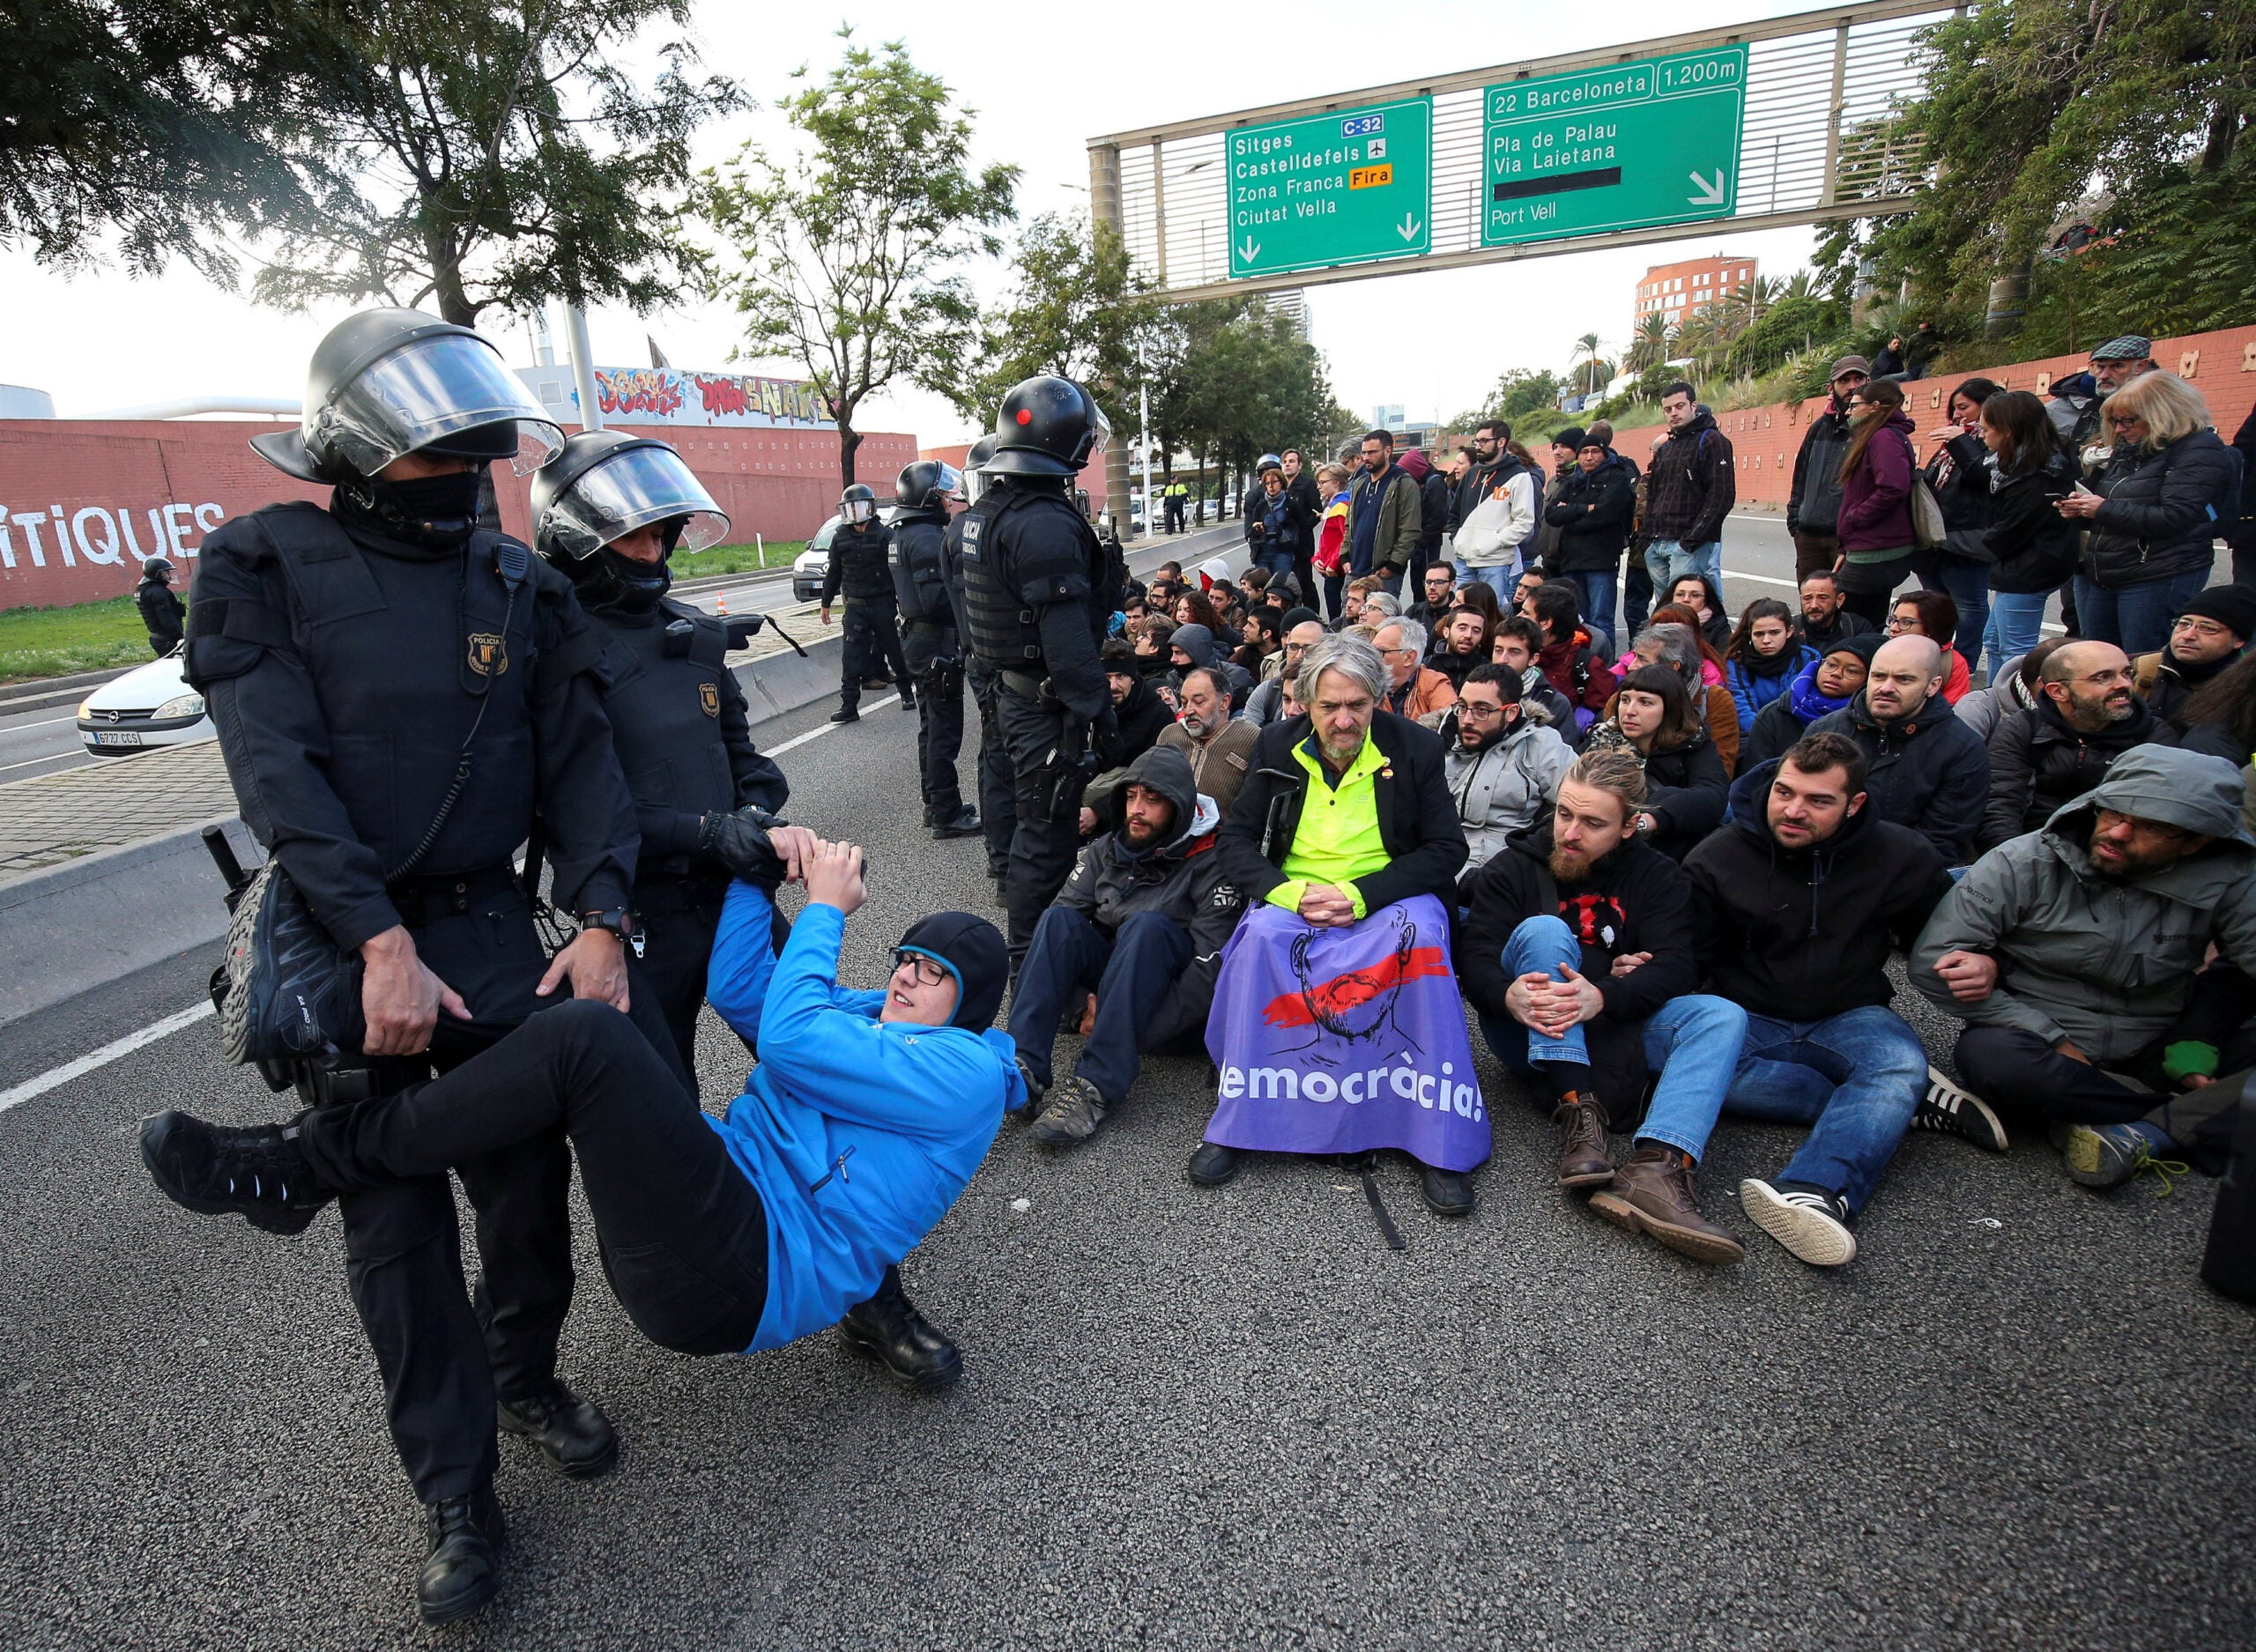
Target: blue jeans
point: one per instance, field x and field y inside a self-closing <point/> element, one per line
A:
<point x="1665" y="560"/>
<point x="2017" y="625"/>
<point x="1278" y="563"/>
<point x="1500" y="578"/>
<point x="1692" y="1043"/>
<point x="1130" y="975"/>
<point x="1855" y="1078"/>
<point x="2134" y="618"/>
<point x="1968" y="586"/>
<point x="1598" y="602"/>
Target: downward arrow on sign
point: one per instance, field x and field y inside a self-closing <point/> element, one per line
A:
<point x="1710" y="194"/>
<point x="1250" y="250"/>
<point x="1408" y="227"/>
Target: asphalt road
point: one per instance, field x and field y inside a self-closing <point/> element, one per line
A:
<point x="45" y="742"/>
<point x="1222" y="1419"/>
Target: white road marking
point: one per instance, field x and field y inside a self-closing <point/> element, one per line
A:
<point x="30" y="761"/>
<point x="821" y="729"/>
<point x="55" y="1076"/>
<point x="46" y="723"/>
<point x="1765" y="579"/>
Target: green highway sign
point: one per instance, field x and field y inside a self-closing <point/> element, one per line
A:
<point x="1351" y="186"/>
<point x="1625" y="147"/>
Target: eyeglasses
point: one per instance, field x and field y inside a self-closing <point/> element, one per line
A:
<point x="930" y="970"/>
<point x="2124" y="421"/>
<point x="2199" y="625"/>
<point x="1478" y="710"/>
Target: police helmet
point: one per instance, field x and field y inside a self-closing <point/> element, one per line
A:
<point x="927" y="484"/>
<point x="392" y="381"/>
<point x="1267" y="461"/>
<point x="604" y="484"/>
<point x="1048" y="426"/>
<point x="981" y="453"/>
<point x="857" y="504"/>
<point x="159" y="565"/>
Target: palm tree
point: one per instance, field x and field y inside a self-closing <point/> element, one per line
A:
<point x="1802" y="284"/>
<point x="1653" y="343"/>
<point x="1586" y="351"/>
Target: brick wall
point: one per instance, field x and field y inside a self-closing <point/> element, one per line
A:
<point x="83" y="501"/>
<point x="1764" y="440"/>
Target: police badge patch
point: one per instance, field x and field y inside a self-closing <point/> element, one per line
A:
<point x="488" y="655"/>
<point x="708" y="696"/>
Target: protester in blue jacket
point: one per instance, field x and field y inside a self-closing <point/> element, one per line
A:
<point x="863" y="1121"/>
<point x="1762" y="659"/>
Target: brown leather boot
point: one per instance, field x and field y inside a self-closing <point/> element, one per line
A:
<point x="1653" y="1194"/>
<point x="1583" y="1159"/>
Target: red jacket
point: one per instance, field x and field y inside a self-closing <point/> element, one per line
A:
<point x="1577" y="673"/>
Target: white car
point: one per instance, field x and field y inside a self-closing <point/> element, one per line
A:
<point x="150" y="705"/>
<point x="809" y="567"/>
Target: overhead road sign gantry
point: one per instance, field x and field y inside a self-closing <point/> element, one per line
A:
<point x="1345" y="187"/>
<point x="1627" y="146"/>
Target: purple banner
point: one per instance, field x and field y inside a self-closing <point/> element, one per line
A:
<point x="1344" y="1040"/>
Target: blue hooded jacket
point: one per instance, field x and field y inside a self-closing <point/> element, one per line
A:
<point x="858" y="1134"/>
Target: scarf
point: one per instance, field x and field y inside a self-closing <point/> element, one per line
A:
<point x="1808" y="703"/>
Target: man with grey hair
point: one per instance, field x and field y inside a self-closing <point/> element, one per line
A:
<point x="1929" y="771"/>
<point x="1219" y="747"/>
<point x="1344" y="817"/>
<point x="1413" y="689"/>
<point x="1380" y="605"/>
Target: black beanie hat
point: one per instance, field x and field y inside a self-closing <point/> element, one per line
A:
<point x="1299" y="616"/>
<point x="2231" y="606"/>
<point x="973" y="950"/>
<point x="1864" y="645"/>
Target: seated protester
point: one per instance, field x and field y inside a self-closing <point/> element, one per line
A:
<point x="1698" y="597"/>
<point x="1463" y="645"/>
<point x="1191" y="608"/>
<point x="1217" y="746"/>
<point x="2016" y="689"/>
<point x="1288" y="621"/>
<point x="1684" y="783"/>
<point x="1264" y="641"/>
<point x="1415" y="690"/>
<point x="2219" y="720"/>
<point x="1570" y="655"/>
<point x="1516" y="644"/>
<point x="1154" y="645"/>
<point x="2074" y="956"/>
<point x="1503" y="767"/>
<point x="1762" y="659"/>
<point x="1360" y="590"/>
<point x="1139" y="712"/>
<point x="1577" y="959"/>
<point x="1436" y="588"/>
<point x="1824" y="620"/>
<point x="1531" y="581"/>
<point x="1822" y="688"/>
<point x="1263" y="705"/>
<point x="1193" y="647"/>
<point x="1927" y="770"/>
<point x="1140" y="924"/>
<point x="1794" y="904"/>
<point x="1480" y="598"/>
<point x="1671" y="640"/>
<point x="2207" y="636"/>
<point x="1934" y="616"/>
<point x="1380" y="606"/>
<point x="719" y="1236"/>
<point x="2062" y="747"/>
<point x="1347" y="841"/>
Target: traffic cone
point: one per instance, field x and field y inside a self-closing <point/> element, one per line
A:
<point x="725" y="604"/>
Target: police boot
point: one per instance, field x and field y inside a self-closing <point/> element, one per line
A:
<point x="572" y="1432"/>
<point x="847" y="711"/>
<point x="963" y="823"/>
<point x="461" y="1562"/>
<point x="908" y="696"/>
<point x="888" y="1329"/>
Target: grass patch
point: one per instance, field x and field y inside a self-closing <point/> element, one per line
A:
<point x="737" y="558"/>
<point x="84" y="637"/>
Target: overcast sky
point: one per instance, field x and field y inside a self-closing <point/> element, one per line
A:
<point x="1040" y="81"/>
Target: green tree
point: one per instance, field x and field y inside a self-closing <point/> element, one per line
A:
<point x="499" y="155"/>
<point x="845" y="260"/>
<point x="1654" y="343"/>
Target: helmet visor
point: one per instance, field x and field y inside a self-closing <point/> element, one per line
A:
<point x="858" y="510"/>
<point x="632" y="490"/>
<point x="424" y="392"/>
<point x="1100" y="432"/>
<point x="949" y="483"/>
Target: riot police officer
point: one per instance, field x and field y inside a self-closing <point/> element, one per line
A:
<point x="1038" y="593"/>
<point x="929" y="640"/>
<point x="998" y="808"/>
<point x="858" y="569"/>
<point x="161" y="613"/>
<point x="609" y="511"/>
<point x="393" y="687"/>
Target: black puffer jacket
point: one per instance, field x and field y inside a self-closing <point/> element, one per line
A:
<point x="1591" y="515"/>
<point x="1800" y="935"/>
<point x="1929" y="772"/>
<point x="2163" y="511"/>
<point x="2031" y="546"/>
<point x="1138" y="721"/>
<point x="1182" y="879"/>
<point x="1814" y="504"/>
<point x="2037" y="762"/>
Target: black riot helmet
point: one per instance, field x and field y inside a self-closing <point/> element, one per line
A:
<point x="1048" y="426"/>
<point x="927" y="484"/>
<point x="391" y="381"/>
<point x="158" y="568"/>
<point x="603" y="485"/>
<point x="857" y="505"/>
<point x="981" y="453"/>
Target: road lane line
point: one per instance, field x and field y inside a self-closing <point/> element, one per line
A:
<point x="56" y="1076"/>
<point x="56" y="757"/>
<point x="821" y="729"/>
<point x="1765" y="579"/>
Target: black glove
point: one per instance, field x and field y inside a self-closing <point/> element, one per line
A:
<point x="739" y="843"/>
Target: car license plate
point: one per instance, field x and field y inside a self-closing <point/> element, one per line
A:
<point x="116" y="736"/>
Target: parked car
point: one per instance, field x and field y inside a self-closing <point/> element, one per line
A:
<point x="150" y="705"/>
<point x="809" y="567"/>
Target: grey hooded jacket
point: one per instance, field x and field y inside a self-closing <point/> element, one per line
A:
<point x="1510" y="783"/>
<point x="2109" y="964"/>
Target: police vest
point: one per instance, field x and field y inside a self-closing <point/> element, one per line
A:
<point x="1019" y="543"/>
<point x="863" y="573"/>
<point x="919" y="572"/>
<point x="662" y="679"/>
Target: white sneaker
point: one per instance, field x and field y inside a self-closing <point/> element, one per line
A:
<point x="1808" y="1221"/>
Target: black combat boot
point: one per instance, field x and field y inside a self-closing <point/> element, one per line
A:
<point x="888" y="1329"/>
<point x="572" y="1432"/>
<point x="462" y="1561"/>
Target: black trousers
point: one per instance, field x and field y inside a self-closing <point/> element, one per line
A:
<point x="1636" y="599"/>
<point x="443" y="1352"/>
<point x="680" y="917"/>
<point x="872" y="643"/>
<point x="1044" y="743"/>
<point x="2017" y="1069"/>
<point x="998" y="808"/>
<point x="682" y="1232"/>
<point x="937" y="665"/>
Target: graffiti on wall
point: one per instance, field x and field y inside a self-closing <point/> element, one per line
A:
<point x="670" y="396"/>
<point x="101" y="537"/>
